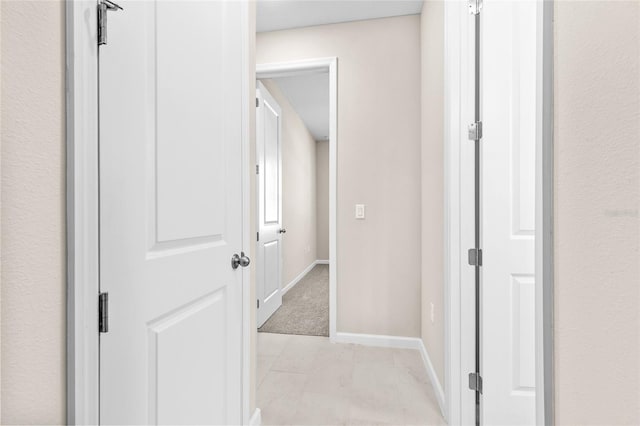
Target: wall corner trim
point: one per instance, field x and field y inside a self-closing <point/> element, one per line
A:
<point x="433" y="377"/>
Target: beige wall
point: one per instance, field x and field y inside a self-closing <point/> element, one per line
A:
<point x="597" y="188"/>
<point x="322" y="200"/>
<point x="432" y="45"/>
<point x="33" y="214"/>
<point x="298" y="190"/>
<point x="378" y="165"/>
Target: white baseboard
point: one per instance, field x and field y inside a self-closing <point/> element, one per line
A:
<point x="435" y="382"/>
<point x="378" y="340"/>
<point x="256" y="418"/>
<point x="400" y="343"/>
<point x="301" y="275"/>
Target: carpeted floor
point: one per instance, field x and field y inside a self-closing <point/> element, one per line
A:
<point x="305" y="308"/>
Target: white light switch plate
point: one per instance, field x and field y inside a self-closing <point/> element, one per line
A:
<point x="359" y="211"/>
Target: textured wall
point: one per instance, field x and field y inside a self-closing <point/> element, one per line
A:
<point x="33" y="214"/>
<point x="432" y="113"/>
<point x="597" y="188"/>
<point x="378" y="165"/>
<point x="322" y="200"/>
<point x="298" y="190"/>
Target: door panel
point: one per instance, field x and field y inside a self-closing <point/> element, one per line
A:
<point x="523" y="337"/>
<point x="271" y="186"/>
<point x="269" y="154"/>
<point x="188" y="336"/>
<point x="187" y="196"/>
<point x="271" y="265"/>
<point x="170" y="220"/>
<point x="509" y="114"/>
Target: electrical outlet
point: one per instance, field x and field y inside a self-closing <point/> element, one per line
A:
<point x="432" y="313"/>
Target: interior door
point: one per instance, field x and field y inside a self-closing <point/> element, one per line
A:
<point x="269" y="157"/>
<point x="509" y="114"/>
<point x="171" y="213"/>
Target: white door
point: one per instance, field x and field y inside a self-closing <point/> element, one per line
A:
<point x="170" y="213"/>
<point x="269" y="157"/>
<point x="509" y="114"/>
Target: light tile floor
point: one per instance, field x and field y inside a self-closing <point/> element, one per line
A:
<point x="306" y="380"/>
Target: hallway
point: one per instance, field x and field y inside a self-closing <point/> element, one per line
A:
<point x="306" y="380"/>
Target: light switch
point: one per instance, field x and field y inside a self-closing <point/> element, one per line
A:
<point x="359" y="211"/>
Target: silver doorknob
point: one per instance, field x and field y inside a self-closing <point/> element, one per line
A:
<point x="241" y="260"/>
<point x="282" y="231"/>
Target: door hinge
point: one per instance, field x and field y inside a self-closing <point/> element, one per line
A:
<point x="257" y="102"/>
<point x="475" y="257"/>
<point x="257" y="236"/>
<point x="103" y="312"/>
<point x="475" y="131"/>
<point x="258" y="303"/>
<point x="103" y="8"/>
<point x="475" y="6"/>
<point x="257" y="169"/>
<point x="475" y="382"/>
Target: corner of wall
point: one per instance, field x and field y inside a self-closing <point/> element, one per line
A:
<point x="432" y="171"/>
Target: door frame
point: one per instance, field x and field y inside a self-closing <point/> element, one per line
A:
<point x="82" y="218"/>
<point x="459" y="216"/>
<point x="313" y="66"/>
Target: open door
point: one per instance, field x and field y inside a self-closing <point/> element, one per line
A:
<point x="171" y="213"/>
<point x="270" y="230"/>
<point x="510" y="80"/>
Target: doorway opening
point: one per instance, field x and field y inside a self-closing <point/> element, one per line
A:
<point x="295" y="181"/>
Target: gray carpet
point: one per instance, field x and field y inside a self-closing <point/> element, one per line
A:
<point x="305" y="308"/>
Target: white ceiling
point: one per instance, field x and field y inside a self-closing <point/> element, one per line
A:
<point x="275" y="15"/>
<point x="309" y="96"/>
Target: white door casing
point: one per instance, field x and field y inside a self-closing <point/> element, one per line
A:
<point x="269" y="178"/>
<point x="301" y="67"/>
<point x="171" y="213"/>
<point x="509" y="114"/>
